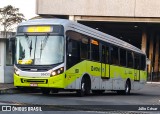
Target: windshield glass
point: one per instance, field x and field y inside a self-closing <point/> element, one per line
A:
<point x="39" y="50"/>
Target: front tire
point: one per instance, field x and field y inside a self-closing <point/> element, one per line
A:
<point x="85" y="88"/>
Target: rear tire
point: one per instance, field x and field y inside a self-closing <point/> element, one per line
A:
<point x="45" y="91"/>
<point x="127" y="89"/>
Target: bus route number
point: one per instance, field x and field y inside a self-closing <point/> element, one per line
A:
<point x="45" y="74"/>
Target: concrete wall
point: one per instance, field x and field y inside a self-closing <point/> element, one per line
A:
<point x="2" y="62"/>
<point x="6" y="72"/>
<point x="122" y="8"/>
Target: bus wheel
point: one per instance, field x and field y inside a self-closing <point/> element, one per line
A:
<point x="127" y="88"/>
<point x="85" y="88"/>
<point x="45" y="91"/>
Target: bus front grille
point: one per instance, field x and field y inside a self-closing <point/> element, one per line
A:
<point x="38" y="81"/>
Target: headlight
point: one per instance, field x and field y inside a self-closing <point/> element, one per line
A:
<point x="57" y="71"/>
<point x="16" y="71"/>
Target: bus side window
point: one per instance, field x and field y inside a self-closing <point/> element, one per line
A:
<point x="95" y="50"/>
<point x="130" y="59"/>
<point x="69" y="47"/>
<point x="114" y="56"/>
<point x="143" y="62"/>
<point x="136" y="61"/>
<point x="84" y="49"/>
<point x="123" y="57"/>
<point x="73" y="53"/>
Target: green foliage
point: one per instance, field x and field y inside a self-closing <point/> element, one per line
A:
<point x="9" y="17"/>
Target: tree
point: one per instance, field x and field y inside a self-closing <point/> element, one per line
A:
<point x="9" y="17"/>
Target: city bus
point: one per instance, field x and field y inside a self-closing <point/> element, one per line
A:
<point x="59" y="54"/>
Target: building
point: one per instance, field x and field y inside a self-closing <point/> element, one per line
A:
<point x="6" y="57"/>
<point x="135" y="21"/>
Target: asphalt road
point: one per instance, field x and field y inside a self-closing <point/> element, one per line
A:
<point x="149" y="95"/>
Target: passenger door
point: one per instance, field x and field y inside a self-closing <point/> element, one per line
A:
<point x="104" y="62"/>
<point x="136" y="67"/>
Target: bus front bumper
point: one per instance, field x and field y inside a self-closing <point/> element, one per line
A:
<point x="50" y="82"/>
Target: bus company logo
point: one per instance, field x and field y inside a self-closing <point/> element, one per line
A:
<point x="95" y="68"/>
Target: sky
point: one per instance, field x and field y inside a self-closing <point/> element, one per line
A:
<point x="27" y="7"/>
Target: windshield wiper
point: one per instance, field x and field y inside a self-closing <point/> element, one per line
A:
<point x="30" y="47"/>
<point x="29" y="43"/>
<point x="43" y="43"/>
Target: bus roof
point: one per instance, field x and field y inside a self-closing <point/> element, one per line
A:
<point x="84" y="29"/>
<point x="45" y="21"/>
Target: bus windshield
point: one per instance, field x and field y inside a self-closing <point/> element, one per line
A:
<point x="39" y="50"/>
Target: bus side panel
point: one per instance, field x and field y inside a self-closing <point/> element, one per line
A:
<point x="120" y="75"/>
<point x="117" y="75"/>
<point x="129" y="73"/>
<point x="143" y="76"/>
<point x="73" y="75"/>
<point x="140" y="84"/>
<point x="94" y="69"/>
<point x="136" y="75"/>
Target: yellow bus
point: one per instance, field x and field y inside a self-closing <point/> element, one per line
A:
<point x="58" y="54"/>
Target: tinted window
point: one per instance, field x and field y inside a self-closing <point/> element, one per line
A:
<point x="95" y="50"/>
<point x="114" y="56"/>
<point x="130" y="59"/>
<point x="136" y="61"/>
<point x="143" y="62"/>
<point x="84" y="49"/>
<point x="73" y="48"/>
<point x="122" y="57"/>
<point x="73" y="53"/>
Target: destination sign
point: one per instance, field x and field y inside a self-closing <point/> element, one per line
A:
<point x="41" y="29"/>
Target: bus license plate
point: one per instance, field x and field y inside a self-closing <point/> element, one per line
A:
<point x="34" y="85"/>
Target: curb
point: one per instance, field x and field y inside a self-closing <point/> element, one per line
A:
<point x="153" y="82"/>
